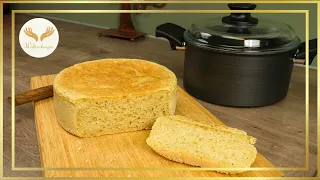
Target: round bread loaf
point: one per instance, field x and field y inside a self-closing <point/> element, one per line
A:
<point x="111" y="96"/>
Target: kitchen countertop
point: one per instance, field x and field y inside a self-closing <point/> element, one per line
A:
<point x="279" y="128"/>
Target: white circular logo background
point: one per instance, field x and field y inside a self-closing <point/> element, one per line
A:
<point x="39" y="37"/>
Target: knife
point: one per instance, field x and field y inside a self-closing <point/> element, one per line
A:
<point x="32" y="95"/>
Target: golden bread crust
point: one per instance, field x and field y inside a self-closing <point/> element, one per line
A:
<point x="114" y="78"/>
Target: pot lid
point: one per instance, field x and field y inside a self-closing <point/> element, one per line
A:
<point x="242" y="33"/>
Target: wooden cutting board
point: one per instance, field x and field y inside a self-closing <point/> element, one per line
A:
<point x="59" y="149"/>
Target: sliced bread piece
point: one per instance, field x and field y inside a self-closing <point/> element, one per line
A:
<point x="184" y="140"/>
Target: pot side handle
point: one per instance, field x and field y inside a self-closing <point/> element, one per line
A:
<point x="312" y="50"/>
<point x="173" y="33"/>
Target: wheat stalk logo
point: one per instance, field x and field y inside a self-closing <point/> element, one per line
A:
<point x="49" y="32"/>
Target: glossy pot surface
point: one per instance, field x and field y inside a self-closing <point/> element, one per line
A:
<point x="238" y="60"/>
<point x="237" y="80"/>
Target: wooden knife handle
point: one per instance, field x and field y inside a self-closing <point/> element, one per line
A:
<point x="33" y="95"/>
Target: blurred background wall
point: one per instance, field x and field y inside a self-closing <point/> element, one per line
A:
<point x="148" y="22"/>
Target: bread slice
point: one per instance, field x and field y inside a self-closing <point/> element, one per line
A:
<point x="111" y="96"/>
<point x="184" y="140"/>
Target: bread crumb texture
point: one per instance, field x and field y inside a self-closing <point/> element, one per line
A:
<point x="111" y="96"/>
<point x="184" y="140"/>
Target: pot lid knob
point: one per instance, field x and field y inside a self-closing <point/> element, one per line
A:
<point x="240" y="19"/>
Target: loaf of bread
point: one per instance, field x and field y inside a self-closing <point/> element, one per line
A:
<point x="184" y="140"/>
<point x="111" y="96"/>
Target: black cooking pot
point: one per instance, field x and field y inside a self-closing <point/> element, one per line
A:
<point x="238" y="60"/>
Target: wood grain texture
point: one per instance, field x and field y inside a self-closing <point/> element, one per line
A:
<point x="59" y="149"/>
<point x="280" y="127"/>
